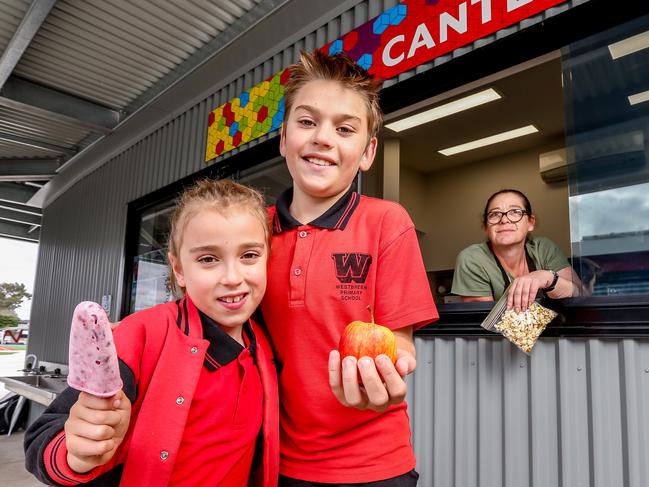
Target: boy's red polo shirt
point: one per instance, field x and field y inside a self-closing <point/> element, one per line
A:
<point x="321" y="277"/>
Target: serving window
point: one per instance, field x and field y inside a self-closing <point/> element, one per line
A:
<point x="569" y="129"/>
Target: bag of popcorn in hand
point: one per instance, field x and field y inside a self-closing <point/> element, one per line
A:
<point x="522" y="329"/>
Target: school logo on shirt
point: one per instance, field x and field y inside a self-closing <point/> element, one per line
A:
<point x="352" y="267"/>
<point x="351" y="272"/>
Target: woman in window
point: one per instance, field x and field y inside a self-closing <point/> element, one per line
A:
<point x="513" y="255"/>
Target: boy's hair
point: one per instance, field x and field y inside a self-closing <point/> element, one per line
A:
<point x="221" y="195"/>
<point x="317" y="65"/>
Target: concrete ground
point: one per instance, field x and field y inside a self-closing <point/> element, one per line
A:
<point x="12" y="462"/>
<point x="12" y="457"/>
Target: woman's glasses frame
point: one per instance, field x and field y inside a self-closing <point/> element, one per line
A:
<point x="514" y="215"/>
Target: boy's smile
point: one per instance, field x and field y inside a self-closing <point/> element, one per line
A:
<point x="325" y="143"/>
<point x="222" y="265"/>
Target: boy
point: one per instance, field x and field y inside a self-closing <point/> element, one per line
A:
<point x="335" y="252"/>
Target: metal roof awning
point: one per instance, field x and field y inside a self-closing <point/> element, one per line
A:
<point x="71" y="71"/>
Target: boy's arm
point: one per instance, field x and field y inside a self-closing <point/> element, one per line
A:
<point x="382" y="383"/>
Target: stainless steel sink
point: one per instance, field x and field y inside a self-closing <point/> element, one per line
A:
<point x="40" y="388"/>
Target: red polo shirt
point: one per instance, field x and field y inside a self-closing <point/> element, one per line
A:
<point x="321" y="277"/>
<point x="219" y="440"/>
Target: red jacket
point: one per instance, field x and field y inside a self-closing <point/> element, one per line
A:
<point x="161" y="346"/>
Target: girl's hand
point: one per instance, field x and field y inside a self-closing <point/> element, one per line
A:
<point x="95" y="428"/>
<point x="381" y="382"/>
<point x="523" y="290"/>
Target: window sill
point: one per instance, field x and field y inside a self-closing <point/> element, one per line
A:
<point x="603" y="316"/>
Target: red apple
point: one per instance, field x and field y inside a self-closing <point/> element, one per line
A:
<point x="362" y="339"/>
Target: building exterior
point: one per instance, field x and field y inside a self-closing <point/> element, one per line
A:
<point x="483" y="413"/>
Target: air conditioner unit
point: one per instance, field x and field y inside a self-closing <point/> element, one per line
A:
<point x="552" y="166"/>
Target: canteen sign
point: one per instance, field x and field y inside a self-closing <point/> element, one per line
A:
<point x="418" y="31"/>
<point x="410" y="33"/>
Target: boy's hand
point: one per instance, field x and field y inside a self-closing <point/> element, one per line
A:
<point x="95" y="428"/>
<point x="382" y="382"/>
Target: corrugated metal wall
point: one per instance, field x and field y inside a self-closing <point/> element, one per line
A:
<point x="573" y="414"/>
<point x="483" y="414"/>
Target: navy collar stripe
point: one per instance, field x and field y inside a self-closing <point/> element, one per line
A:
<point x="186" y="316"/>
<point x="223" y="349"/>
<point x="210" y="360"/>
<point x="350" y="208"/>
<point x="335" y="218"/>
<point x="179" y="316"/>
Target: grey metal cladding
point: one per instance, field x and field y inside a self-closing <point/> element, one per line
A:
<point x="571" y="414"/>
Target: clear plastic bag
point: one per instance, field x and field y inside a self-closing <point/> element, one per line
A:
<point x="522" y="329"/>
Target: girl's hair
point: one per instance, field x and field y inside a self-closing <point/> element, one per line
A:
<point x="222" y="195"/>
<point x="316" y="65"/>
<point x="526" y="202"/>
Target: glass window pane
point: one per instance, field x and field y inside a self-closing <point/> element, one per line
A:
<point x="606" y="92"/>
<point x="150" y="271"/>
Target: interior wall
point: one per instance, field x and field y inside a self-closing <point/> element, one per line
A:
<point x="447" y="205"/>
<point x="372" y="180"/>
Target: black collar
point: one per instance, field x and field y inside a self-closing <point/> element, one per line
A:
<point x="335" y="218"/>
<point x="223" y="349"/>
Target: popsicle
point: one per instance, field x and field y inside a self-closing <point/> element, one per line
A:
<point x="93" y="365"/>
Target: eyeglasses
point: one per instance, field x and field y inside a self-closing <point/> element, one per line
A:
<point x="514" y="215"/>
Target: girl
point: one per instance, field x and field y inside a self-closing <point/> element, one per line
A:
<point x="200" y="387"/>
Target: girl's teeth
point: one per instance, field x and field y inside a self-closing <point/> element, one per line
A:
<point x="234" y="299"/>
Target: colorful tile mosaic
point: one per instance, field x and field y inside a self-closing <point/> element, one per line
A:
<point x="253" y="113"/>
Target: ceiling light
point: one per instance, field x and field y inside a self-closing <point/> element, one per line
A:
<point x="629" y="45"/>
<point x="492" y="139"/>
<point x="639" y="98"/>
<point x="445" y="110"/>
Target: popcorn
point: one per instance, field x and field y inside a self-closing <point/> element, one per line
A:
<point x="524" y="328"/>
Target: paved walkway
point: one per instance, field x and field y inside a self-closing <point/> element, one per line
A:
<point x="12" y="457"/>
<point x="12" y="463"/>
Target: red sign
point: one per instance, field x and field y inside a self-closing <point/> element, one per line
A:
<point x="417" y="31"/>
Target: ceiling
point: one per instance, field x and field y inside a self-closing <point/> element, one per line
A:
<point x="72" y="70"/>
<point x="531" y="96"/>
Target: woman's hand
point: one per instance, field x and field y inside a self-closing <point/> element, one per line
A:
<point x="523" y="290"/>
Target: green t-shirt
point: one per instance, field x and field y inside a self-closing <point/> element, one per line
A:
<point x="478" y="274"/>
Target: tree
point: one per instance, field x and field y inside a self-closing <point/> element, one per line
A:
<point x="12" y="295"/>
<point x="8" y="321"/>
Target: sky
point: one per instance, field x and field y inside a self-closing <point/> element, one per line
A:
<point x="616" y="210"/>
<point x="18" y="264"/>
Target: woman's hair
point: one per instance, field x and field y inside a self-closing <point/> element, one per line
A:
<point x="526" y="202"/>
<point x="221" y="195"/>
<point x="317" y="65"/>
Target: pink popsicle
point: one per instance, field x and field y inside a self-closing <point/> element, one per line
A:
<point x="93" y="365"/>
